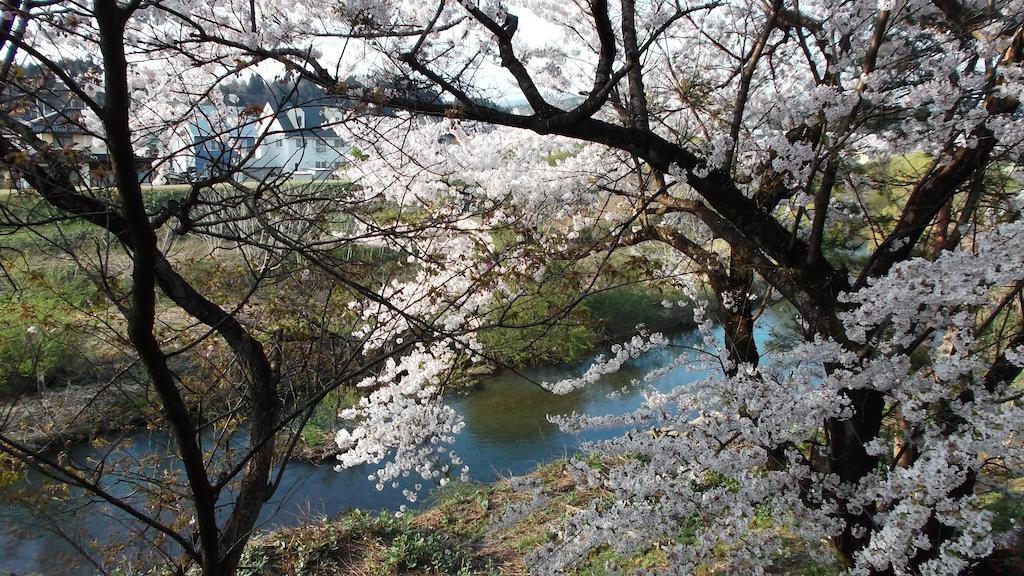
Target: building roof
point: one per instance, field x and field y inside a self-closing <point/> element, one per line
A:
<point x="57" y="113"/>
<point x="316" y="122"/>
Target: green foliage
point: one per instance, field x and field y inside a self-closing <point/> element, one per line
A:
<point x="158" y="196"/>
<point x="715" y="479"/>
<point x="606" y="562"/>
<point x="11" y="472"/>
<point x="315" y="549"/>
<point x="602" y="562"/>
<point x="689" y="529"/>
<point x="401" y="548"/>
<point x="458" y="493"/>
<point x="889" y="182"/>
<point x="557" y="156"/>
<point x="321" y="426"/>
<point x="357" y="154"/>
<point x="389" y="213"/>
<point x="596" y="462"/>
<point x="378" y="544"/>
<point x="40" y="335"/>
<point x="462" y="508"/>
<point x="539" y="331"/>
<point x="1007" y="505"/>
<point x="619" y="310"/>
<point x="412" y="551"/>
<point x="892" y="180"/>
<point x="25" y="206"/>
<point x="553" y="320"/>
<point x="764" y="517"/>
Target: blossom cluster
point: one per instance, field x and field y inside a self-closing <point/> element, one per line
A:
<point x="403" y="425"/>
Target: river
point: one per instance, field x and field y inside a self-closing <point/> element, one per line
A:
<point x="507" y="432"/>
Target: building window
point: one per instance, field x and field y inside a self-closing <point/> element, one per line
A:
<point x="321" y="146"/>
<point x="337" y="142"/>
<point x="279" y="143"/>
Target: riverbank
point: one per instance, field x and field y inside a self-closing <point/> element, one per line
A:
<point x="496" y="530"/>
<point x="506" y="433"/>
<point x="471" y="529"/>
<point x="602" y="319"/>
<point x="494" y="525"/>
<point x="63" y="375"/>
<point x="493" y="529"/>
<point x="74" y="414"/>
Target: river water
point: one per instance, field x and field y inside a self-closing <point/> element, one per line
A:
<point x="506" y="433"/>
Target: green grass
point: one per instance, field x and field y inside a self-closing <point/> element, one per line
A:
<point x="43" y="328"/>
<point x="322" y="425"/>
<point x="398" y="547"/>
<point x="1008" y="505"/>
<point x="537" y="324"/>
<point x="461" y="534"/>
<point x="360" y="543"/>
<point x="619" y="310"/>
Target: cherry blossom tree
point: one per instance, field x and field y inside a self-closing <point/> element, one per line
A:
<point x="754" y="139"/>
<point x="860" y="159"/>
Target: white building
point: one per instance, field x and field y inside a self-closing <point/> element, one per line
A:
<point x="297" y="140"/>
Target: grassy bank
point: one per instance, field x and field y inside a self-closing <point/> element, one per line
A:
<point x="558" y="322"/>
<point x="497" y="529"/>
<point x="476" y="529"/>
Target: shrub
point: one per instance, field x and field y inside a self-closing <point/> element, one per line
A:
<point x="40" y="337"/>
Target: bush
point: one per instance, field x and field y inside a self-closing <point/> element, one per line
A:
<point x="402" y="548"/>
<point x="39" y="335"/>
<point x="620" y="309"/>
<point x="541" y="334"/>
<point x="321" y="426"/>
